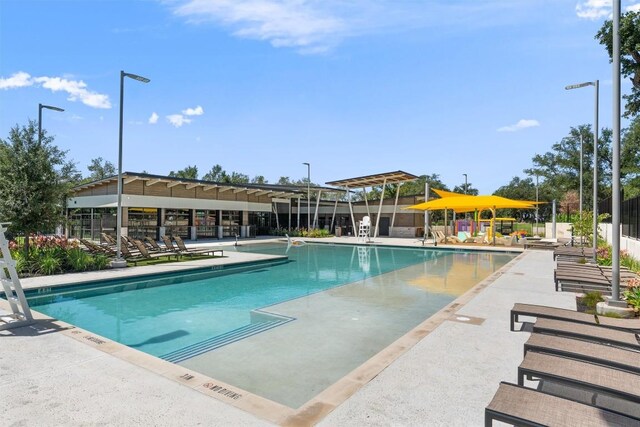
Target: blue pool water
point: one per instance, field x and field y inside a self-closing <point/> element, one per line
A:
<point x="180" y="316"/>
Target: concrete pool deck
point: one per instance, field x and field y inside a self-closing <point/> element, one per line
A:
<point x="52" y="375"/>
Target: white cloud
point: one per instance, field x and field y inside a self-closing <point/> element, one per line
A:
<point x="597" y="9"/>
<point x="305" y="25"/>
<point x="198" y="111"/>
<point x="522" y="124"/>
<point x="178" y="120"/>
<point x="19" y="79"/>
<point x="77" y="90"/>
<point x="154" y="118"/>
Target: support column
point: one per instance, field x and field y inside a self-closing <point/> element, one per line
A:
<point x="395" y="206"/>
<point x="333" y="217"/>
<point x="315" y="215"/>
<point x="353" y="219"/>
<point x="384" y="185"/>
<point x="289" y="225"/>
<point x="298" y="220"/>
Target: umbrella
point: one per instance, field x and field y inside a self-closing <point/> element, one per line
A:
<point x="472" y="203"/>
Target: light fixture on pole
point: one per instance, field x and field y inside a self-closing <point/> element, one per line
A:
<point x="119" y="262"/>
<point x="596" y="85"/>
<point x="40" y="107"/>
<point x="308" y="195"/>
<point x="537" y="205"/>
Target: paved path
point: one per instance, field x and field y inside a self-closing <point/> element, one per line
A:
<point x="49" y="378"/>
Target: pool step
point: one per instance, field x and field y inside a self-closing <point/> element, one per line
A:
<point x="266" y="322"/>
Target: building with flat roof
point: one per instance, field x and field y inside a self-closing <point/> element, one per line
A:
<point x="155" y="205"/>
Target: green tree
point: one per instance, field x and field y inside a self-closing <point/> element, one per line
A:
<point x="469" y="189"/>
<point x="236" y="178"/>
<point x="629" y="55"/>
<point x="100" y="169"/>
<point x="34" y="179"/>
<point x="519" y="189"/>
<point x="216" y="174"/>
<point x="560" y="168"/>
<point x="284" y="180"/>
<point x="259" y="179"/>
<point x="630" y="159"/>
<point x="190" y="172"/>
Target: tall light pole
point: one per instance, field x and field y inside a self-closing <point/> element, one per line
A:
<point x="596" y="85"/>
<point x="615" y="164"/>
<point x="580" y="210"/>
<point x="465" y="183"/>
<point x="537" y="205"/>
<point x="308" y="195"/>
<point x="40" y="107"/>
<point x="119" y="262"/>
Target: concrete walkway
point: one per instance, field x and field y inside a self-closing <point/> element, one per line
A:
<point x="50" y="377"/>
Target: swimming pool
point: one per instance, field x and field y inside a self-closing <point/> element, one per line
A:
<point x="318" y="315"/>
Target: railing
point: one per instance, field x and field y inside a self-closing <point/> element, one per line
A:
<point x="629" y="215"/>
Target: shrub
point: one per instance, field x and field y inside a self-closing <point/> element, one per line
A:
<point x="632" y="294"/>
<point x="79" y="260"/>
<point x="49" y="263"/>
<point x="100" y="262"/>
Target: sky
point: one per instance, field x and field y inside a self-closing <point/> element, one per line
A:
<point x="446" y="87"/>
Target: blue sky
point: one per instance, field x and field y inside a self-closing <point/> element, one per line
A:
<point x="355" y="88"/>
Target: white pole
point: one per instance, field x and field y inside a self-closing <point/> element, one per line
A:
<point x="384" y="185"/>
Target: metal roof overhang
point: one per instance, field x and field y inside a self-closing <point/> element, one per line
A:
<point x="377" y="179"/>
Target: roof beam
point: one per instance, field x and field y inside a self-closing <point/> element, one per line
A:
<point x="239" y="190"/>
<point x="152" y="182"/>
<point x="253" y="191"/>
<point x="130" y="180"/>
<point x="209" y="187"/>
<point x="223" y="189"/>
<point x="263" y="192"/>
<point x="173" y="184"/>
<point x="190" y="186"/>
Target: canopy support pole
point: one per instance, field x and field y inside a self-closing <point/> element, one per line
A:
<point x="375" y="232"/>
<point x="333" y="217"/>
<point x="353" y="219"/>
<point x="395" y="206"/>
<point x="298" y="221"/>
<point x="315" y="215"/>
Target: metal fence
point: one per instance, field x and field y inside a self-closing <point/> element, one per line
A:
<point x="629" y="215"/>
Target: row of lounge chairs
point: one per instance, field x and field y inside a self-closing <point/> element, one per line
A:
<point x="134" y="250"/>
<point x="574" y="274"/>
<point x="587" y="368"/>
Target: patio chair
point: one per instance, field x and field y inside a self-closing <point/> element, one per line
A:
<point x="523" y="406"/>
<point x="182" y="248"/>
<point x="97" y="249"/>
<point x="600" y="354"/>
<point x="153" y="246"/>
<point x="594" y="380"/>
<point x="593" y="333"/>
<point x="541" y="311"/>
<point x="144" y="253"/>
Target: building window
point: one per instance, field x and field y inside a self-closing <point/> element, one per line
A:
<point x="231" y="223"/>
<point x="143" y="222"/>
<point x="206" y="224"/>
<point x="176" y="222"/>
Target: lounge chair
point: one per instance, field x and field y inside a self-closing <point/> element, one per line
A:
<point x="153" y="246"/>
<point x="144" y="253"/>
<point x="585" y="376"/>
<point x="182" y="248"/>
<point x="572" y="253"/>
<point x="600" y="354"/>
<point x="575" y="279"/>
<point x="446" y="239"/>
<point x="523" y="406"/>
<point x="594" y="333"/>
<point x="541" y="311"/>
<point x="168" y="243"/>
<point x="97" y="249"/>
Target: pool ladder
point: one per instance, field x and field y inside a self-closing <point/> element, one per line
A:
<point x="21" y="313"/>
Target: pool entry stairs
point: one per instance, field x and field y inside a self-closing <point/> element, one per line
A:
<point x="21" y="313"/>
<point x="261" y="321"/>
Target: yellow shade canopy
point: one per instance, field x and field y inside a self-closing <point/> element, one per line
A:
<point x="443" y="193"/>
<point x="472" y="203"/>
